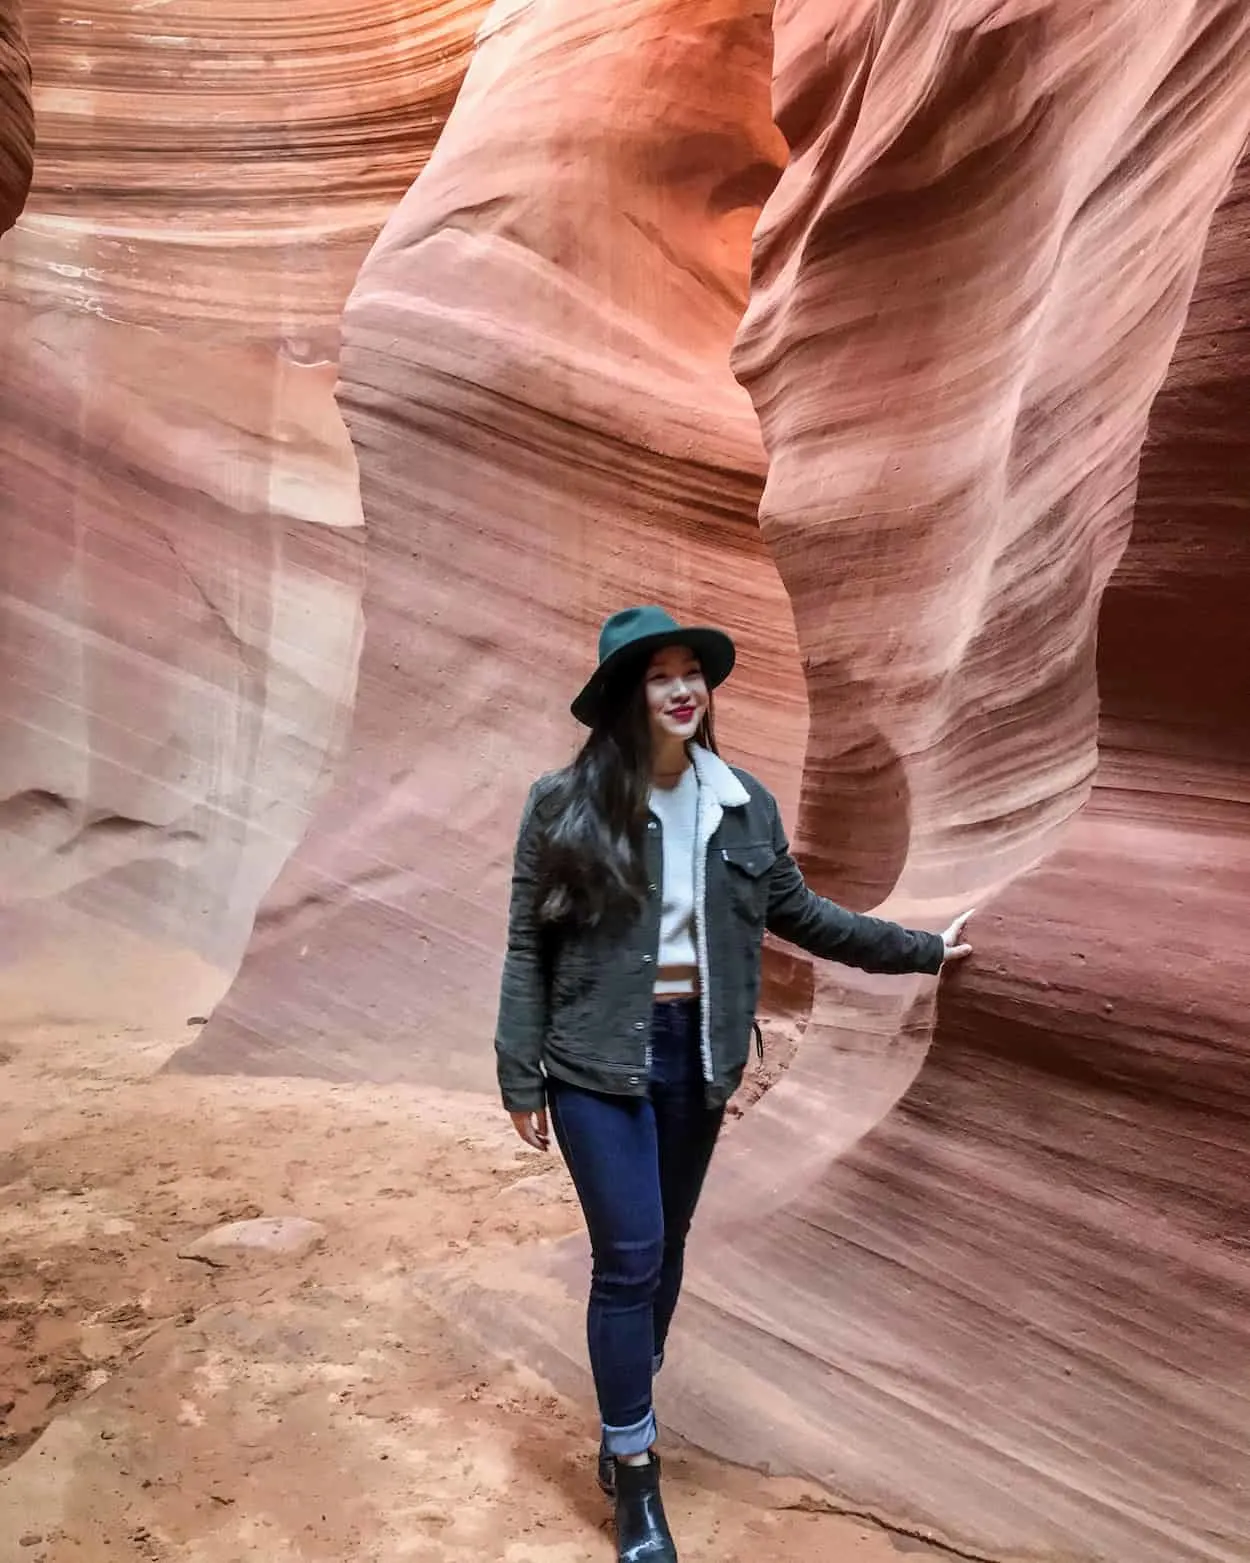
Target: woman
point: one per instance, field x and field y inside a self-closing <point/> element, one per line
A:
<point x="646" y="873"/>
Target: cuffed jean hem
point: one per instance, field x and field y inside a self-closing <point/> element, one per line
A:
<point x="635" y="1439"/>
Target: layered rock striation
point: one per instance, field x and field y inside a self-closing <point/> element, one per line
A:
<point x="984" y="1277"/>
<point x="1010" y="1300"/>
<point x="1011" y="1306"/>
<point x="978" y="1268"/>
<point x="17" y="121"/>
<point x="536" y="377"/>
<point x="183" y="541"/>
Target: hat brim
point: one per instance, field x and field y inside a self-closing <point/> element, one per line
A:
<point x="714" y="649"/>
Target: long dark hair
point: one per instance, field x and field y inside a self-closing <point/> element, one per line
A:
<point x="590" y="860"/>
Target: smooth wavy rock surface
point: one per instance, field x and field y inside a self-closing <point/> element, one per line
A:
<point x="987" y="1280"/>
<point x="987" y="1276"/>
<point x="17" y="124"/>
<point x="183" y="553"/>
<point x="1009" y="1312"/>
<point x="536" y="376"/>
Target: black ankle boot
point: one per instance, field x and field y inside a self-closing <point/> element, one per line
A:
<point x="607" y="1472"/>
<point x="642" y="1533"/>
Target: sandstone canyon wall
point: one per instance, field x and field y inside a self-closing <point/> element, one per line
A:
<point x="983" y="1275"/>
<point x="536" y="376"/>
<point x="1014" y="1300"/>
<point x="183" y="546"/>
<point x="17" y="124"/>
<point x="953" y="427"/>
<point x="985" y="1279"/>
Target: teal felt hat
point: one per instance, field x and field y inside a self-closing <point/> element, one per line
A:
<point x="632" y="635"/>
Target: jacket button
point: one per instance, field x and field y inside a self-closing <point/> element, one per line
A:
<point x="651" y="888"/>
<point x="640" y="1025"/>
<point x="651" y="825"/>
<point x="648" y="960"/>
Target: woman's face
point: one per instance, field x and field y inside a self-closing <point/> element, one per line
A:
<point x="677" y="697"/>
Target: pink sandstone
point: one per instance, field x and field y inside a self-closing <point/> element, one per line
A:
<point x="986" y="1281"/>
<point x="17" y="128"/>
<point x="536" y="376"/>
<point x="183" y="540"/>
<point x="984" y="1275"/>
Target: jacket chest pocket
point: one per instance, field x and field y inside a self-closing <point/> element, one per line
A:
<point x="747" y="867"/>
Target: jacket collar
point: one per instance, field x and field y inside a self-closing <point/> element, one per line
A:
<point x="716" y="778"/>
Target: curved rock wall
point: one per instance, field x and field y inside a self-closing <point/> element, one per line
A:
<point x="183" y="541"/>
<point x="1010" y="1303"/>
<point x="986" y="1280"/>
<point x="953" y="429"/>
<point x="536" y="377"/>
<point x="1029" y="1281"/>
<point x="17" y="123"/>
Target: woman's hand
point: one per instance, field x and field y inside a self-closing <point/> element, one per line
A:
<point x="956" y="950"/>
<point x="532" y="1127"/>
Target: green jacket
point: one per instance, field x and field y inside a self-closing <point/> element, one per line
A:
<point x="577" y="1004"/>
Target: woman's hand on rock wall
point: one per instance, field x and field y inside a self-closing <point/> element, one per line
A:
<point x="952" y="938"/>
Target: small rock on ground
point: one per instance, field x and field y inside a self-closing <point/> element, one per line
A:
<point x="286" y="1237"/>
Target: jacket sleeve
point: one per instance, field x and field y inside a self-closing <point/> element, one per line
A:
<point x="524" y="999"/>
<point x="823" y="928"/>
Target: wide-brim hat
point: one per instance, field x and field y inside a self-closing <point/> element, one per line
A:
<point x="632" y="635"/>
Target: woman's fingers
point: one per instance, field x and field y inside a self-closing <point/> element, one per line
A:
<point x="532" y="1127"/>
<point x="956" y="949"/>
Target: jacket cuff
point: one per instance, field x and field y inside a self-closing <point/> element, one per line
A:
<point x="934" y="953"/>
<point x="524" y="1099"/>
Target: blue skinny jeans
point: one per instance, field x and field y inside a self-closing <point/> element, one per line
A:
<point x="638" y="1165"/>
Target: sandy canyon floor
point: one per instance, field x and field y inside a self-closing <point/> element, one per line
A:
<point x="315" y="1408"/>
